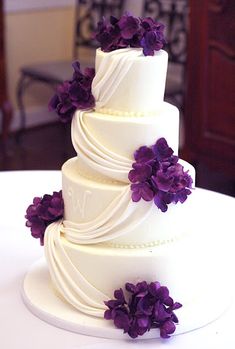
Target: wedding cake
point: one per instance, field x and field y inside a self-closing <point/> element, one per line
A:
<point x="121" y="234"/>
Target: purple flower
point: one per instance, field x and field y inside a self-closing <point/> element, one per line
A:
<point x="140" y="172"/>
<point x="142" y="191"/>
<point x="62" y="104"/>
<point x="74" y="94"/>
<point x="129" y="26"/>
<point x="163" y="180"/>
<point x="151" y="43"/>
<point x="130" y="31"/>
<point x="167" y="328"/>
<point x="161" y="150"/>
<point x="109" y="35"/>
<point x="147" y="306"/>
<point x="144" y="154"/>
<point x="42" y="212"/>
<point x="153" y="37"/>
<point x="156" y="175"/>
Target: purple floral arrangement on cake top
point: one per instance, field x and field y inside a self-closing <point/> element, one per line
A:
<point x="42" y="212"/>
<point x="148" y="306"/>
<point x="74" y="94"/>
<point x="157" y="175"/>
<point x="130" y="31"/>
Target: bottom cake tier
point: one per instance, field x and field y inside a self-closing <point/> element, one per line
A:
<point x="86" y="276"/>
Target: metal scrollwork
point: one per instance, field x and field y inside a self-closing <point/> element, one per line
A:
<point x="174" y="15"/>
<point x="90" y="12"/>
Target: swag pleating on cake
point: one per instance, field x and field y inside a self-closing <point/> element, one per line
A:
<point x="117" y="236"/>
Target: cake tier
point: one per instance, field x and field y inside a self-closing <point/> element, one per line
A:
<point x="128" y="81"/>
<point x="174" y="264"/>
<point x="87" y="275"/>
<point x="97" y="211"/>
<point x="106" y="143"/>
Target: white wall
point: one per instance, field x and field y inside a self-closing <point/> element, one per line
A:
<point x="29" y="5"/>
<point x="134" y="6"/>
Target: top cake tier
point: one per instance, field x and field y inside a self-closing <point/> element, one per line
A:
<point x="127" y="81"/>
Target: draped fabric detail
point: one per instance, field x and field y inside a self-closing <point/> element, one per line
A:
<point x="95" y="155"/>
<point x="69" y="282"/>
<point x="119" y="218"/>
<point x="110" y="74"/>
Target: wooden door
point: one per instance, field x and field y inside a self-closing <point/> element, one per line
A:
<point x="2" y="70"/>
<point x="210" y="93"/>
<point x="5" y="106"/>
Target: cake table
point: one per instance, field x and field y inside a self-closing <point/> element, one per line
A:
<point x="18" y="251"/>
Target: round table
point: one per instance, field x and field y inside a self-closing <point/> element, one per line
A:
<point x="18" y="250"/>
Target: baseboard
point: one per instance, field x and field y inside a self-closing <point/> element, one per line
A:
<point x="35" y="116"/>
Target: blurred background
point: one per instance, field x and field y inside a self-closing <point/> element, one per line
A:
<point x="39" y="40"/>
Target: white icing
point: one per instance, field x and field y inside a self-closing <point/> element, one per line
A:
<point x="181" y="265"/>
<point x="128" y="81"/>
<point x="95" y="155"/>
<point x="106" y="144"/>
<point x="123" y="113"/>
<point x="109" y="76"/>
<point x="87" y="275"/>
<point x="119" y="217"/>
<point x="79" y="205"/>
<point x="67" y="278"/>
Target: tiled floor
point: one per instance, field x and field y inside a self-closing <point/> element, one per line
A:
<point x="48" y="147"/>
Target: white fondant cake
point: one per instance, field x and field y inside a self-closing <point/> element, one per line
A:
<point x="106" y="239"/>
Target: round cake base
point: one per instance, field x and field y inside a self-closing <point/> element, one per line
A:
<point x="42" y="301"/>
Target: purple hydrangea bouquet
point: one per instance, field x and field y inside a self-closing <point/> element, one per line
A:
<point x="143" y="307"/>
<point x="157" y="175"/>
<point x="112" y="34"/>
<point x="42" y="212"/>
<point x="130" y="31"/>
<point x="74" y="94"/>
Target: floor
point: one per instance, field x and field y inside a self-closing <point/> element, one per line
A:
<point x="48" y="147"/>
<point x="45" y="147"/>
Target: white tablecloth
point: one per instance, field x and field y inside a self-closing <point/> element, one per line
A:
<point x="19" y="329"/>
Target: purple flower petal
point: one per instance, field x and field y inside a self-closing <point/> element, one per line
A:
<point x="160" y="312"/>
<point x="167" y="328"/>
<point x="176" y="305"/>
<point x="130" y="287"/>
<point x="162" y="181"/>
<point x="142" y="191"/>
<point x="153" y="288"/>
<point x="129" y="26"/>
<point x="144" y="154"/>
<point x="140" y="172"/>
<point x="121" y="320"/>
<point x="108" y="314"/>
<point x="145" y="305"/>
<point x="162" y="293"/>
<point x="160" y="202"/>
<point x="119" y="295"/>
<point x="161" y="149"/>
